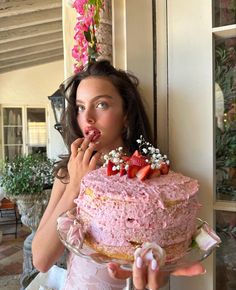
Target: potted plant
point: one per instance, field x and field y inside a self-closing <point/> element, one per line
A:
<point x="225" y="68"/>
<point x="27" y="180"/>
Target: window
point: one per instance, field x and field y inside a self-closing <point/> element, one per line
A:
<point x="225" y="140"/>
<point x="24" y="131"/>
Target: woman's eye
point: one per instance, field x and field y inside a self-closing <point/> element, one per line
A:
<point x="80" y="108"/>
<point x="102" y="105"/>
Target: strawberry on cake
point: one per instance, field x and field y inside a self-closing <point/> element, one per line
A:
<point x="135" y="200"/>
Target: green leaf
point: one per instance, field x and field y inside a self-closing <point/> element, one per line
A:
<point x="27" y="174"/>
<point x="87" y="35"/>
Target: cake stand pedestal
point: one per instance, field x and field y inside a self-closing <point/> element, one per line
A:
<point x="130" y="285"/>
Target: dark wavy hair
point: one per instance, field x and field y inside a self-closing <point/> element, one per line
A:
<point x="126" y="84"/>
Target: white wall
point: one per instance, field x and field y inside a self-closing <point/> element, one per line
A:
<point x="133" y="45"/>
<point x="31" y="87"/>
<point x="190" y="98"/>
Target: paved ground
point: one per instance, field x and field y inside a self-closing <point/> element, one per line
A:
<point x="11" y="256"/>
<point x="10" y="282"/>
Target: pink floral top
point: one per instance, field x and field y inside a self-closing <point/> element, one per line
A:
<point x="83" y="274"/>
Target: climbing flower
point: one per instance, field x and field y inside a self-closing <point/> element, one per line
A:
<point x="86" y="49"/>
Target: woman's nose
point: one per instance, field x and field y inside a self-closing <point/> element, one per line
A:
<point x="90" y="116"/>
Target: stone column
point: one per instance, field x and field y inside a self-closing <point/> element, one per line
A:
<point x="104" y="32"/>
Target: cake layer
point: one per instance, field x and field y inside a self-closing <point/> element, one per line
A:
<point x="165" y="189"/>
<point x="173" y="252"/>
<point x="121" y="243"/>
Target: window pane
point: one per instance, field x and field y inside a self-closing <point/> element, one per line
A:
<point x="225" y="12"/>
<point x="12" y="132"/>
<point x="36" y="128"/>
<point x="12" y="150"/>
<point x="12" y="116"/>
<point x="226" y="253"/>
<point x="225" y="113"/>
<point x="13" y="135"/>
<point x="37" y="149"/>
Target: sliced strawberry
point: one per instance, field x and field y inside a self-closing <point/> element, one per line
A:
<point x="144" y="172"/>
<point x="137" y="161"/>
<point x="136" y="153"/>
<point x="154" y="173"/>
<point x="122" y="169"/>
<point x="109" y="168"/>
<point x="164" y="168"/>
<point x="132" y="170"/>
<point x="125" y="158"/>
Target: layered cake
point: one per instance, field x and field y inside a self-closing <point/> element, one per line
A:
<point x="136" y="200"/>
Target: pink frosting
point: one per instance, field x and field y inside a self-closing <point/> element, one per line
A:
<point x="123" y="210"/>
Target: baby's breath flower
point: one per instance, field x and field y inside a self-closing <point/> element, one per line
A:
<point x="153" y="166"/>
<point x="116" y="160"/>
<point x="126" y="167"/>
<point x="106" y="157"/>
<point x="152" y="155"/>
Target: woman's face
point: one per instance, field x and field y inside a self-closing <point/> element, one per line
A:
<point x="100" y="112"/>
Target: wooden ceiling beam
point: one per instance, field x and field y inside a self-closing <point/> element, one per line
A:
<point x="35" y="30"/>
<point x="29" y="19"/>
<point x="30" y="63"/>
<point x="31" y="42"/>
<point x="31" y="50"/>
<point x="17" y="7"/>
<point x="32" y="56"/>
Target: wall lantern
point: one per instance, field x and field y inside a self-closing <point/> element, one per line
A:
<point x="58" y="105"/>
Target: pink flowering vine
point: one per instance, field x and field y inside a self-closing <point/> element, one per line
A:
<point x="86" y="49"/>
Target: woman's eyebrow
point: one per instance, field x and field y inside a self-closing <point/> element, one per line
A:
<point x="95" y="98"/>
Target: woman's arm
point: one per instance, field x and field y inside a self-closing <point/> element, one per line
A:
<point x="46" y="245"/>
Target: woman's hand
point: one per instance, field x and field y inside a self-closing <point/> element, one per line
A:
<point x="151" y="276"/>
<point x="81" y="160"/>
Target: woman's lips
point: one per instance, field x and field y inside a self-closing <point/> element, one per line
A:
<point x="93" y="133"/>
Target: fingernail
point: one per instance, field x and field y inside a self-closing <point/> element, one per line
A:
<point x="154" y="264"/>
<point x="139" y="262"/>
<point x="204" y="272"/>
<point x="111" y="270"/>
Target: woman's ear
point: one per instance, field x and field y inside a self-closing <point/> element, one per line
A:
<point x="125" y="121"/>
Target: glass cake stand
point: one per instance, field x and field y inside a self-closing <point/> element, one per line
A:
<point x="192" y="256"/>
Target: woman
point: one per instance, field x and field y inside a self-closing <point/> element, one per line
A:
<point x="104" y="112"/>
